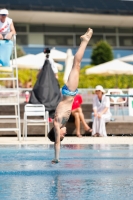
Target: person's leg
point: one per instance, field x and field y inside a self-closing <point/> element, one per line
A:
<point x="95" y="127"/>
<point x="73" y="78"/>
<point x="102" y="125"/>
<point x="81" y="115"/>
<point x="77" y="122"/>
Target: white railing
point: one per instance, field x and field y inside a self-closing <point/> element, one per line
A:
<point x="86" y="93"/>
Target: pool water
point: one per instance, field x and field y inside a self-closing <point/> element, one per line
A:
<point x="99" y="172"/>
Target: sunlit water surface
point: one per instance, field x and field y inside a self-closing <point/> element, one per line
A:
<point x="85" y="172"/>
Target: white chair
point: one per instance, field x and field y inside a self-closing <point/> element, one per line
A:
<point x="35" y="110"/>
<point x="115" y="100"/>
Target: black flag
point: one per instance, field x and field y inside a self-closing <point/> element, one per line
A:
<point x="46" y="90"/>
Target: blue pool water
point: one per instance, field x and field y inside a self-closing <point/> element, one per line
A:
<point x="96" y="172"/>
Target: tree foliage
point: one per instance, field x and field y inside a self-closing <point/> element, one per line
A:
<point x="101" y="53"/>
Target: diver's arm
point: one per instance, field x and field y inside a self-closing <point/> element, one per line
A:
<point x="61" y="118"/>
<point x="57" y="141"/>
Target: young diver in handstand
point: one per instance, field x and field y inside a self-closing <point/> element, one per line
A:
<point x="69" y="90"/>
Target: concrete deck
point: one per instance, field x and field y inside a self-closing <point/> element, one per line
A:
<point x="67" y="140"/>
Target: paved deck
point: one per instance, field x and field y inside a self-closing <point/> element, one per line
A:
<point x="67" y="140"/>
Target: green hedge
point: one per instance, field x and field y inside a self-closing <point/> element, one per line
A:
<point x="85" y="81"/>
<point x="25" y="74"/>
<point x="90" y="81"/>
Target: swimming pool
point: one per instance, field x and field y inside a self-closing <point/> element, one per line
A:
<point x="85" y="172"/>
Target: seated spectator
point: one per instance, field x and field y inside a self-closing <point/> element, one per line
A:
<point x="78" y="115"/>
<point x="101" y="109"/>
<point x="6" y="25"/>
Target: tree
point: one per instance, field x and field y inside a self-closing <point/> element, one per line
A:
<point x="101" y="53"/>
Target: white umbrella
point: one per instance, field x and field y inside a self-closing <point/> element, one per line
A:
<point x="127" y="58"/>
<point x="31" y="61"/>
<point x="39" y="60"/>
<point x="59" y="66"/>
<point x="54" y="54"/>
<point x="112" y="67"/>
<point x="58" y="55"/>
<point x="27" y="62"/>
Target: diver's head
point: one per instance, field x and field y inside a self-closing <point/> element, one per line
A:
<point x="51" y="134"/>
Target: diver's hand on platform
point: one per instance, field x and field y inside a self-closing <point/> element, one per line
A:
<point x="54" y="161"/>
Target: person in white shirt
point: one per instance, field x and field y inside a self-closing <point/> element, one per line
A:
<point x="7" y="29"/>
<point x="102" y="114"/>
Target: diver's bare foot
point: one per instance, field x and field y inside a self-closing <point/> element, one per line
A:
<point x="87" y="36"/>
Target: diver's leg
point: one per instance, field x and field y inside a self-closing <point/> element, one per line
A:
<point x="73" y="78"/>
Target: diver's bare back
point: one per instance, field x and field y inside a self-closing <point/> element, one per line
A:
<point x="63" y="110"/>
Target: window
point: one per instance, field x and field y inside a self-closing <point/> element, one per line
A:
<point x="109" y="30"/>
<point x="62" y="40"/>
<point x="126" y="41"/>
<point x="111" y="40"/>
<point x="98" y="29"/>
<point x="21" y="28"/>
<point x="125" y="30"/>
<point x="94" y="39"/>
<point x="36" y="28"/>
<point x="58" y="29"/>
<point x="80" y="29"/>
<point x="22" y="39"/>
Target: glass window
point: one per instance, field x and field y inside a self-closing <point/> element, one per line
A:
<point x="109" y="30"/>
<point x="80" y="29"/>
<point x="22" y="39"/>
<point x="62" y="40"/>
<point x="98" y="29"/>
<point x="111" y="40"/>
<point x="126" y="41"/>
<point x="125" y="30"/>
<point x="36" y="28"/>
<point x="21" y="28"/>
<point x="94" y="39"/>
<point x="58" y="28"/>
